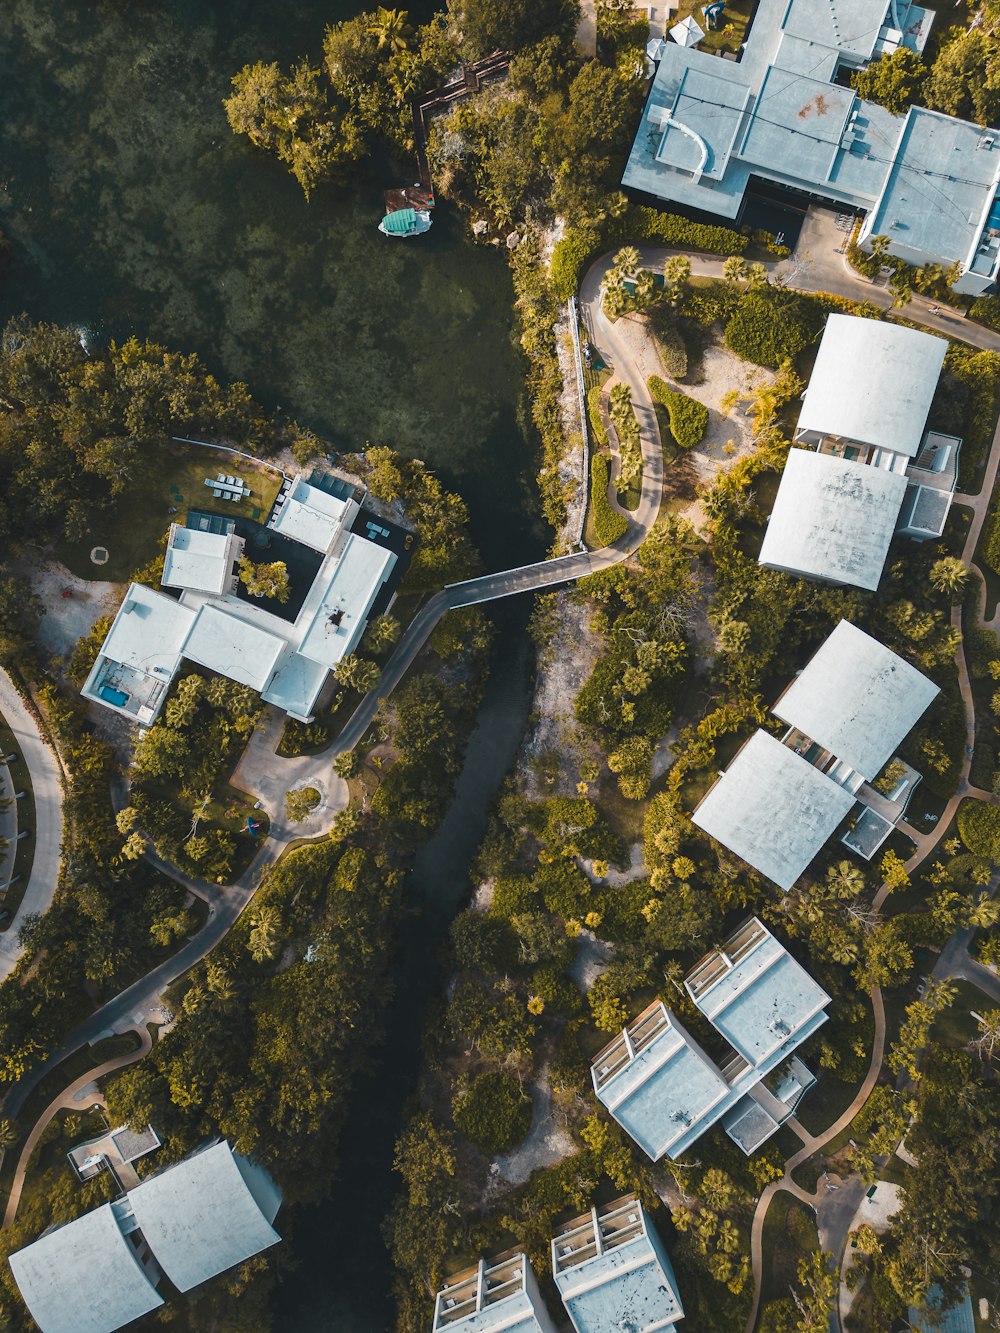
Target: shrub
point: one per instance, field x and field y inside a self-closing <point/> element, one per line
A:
<point x="609" y="525"/>
<point x="559" y="991"/>
<point x="627" y="430"/>
<point x="979" y="826"/>
<point x="688" y="417"/>
<point x="986" y="310"/>
<point x="648" y="224"/>
<point x="512" y="895"/>
<point x="594" y="417"/>
<point x="493" y="1111"/>
<point x="768" y="330"/>
<point x="669" y="343"/>
<point x="568" y="257"/>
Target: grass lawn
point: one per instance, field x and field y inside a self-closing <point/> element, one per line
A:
<point x="733" y="24"/>
<point x="172" y="481"/>
<point x="23" y="853"/>
<point x="789" y="1234"/>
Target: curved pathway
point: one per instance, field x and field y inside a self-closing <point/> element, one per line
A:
<point x="46" y="785"/>
<point x="74" y="1098"/>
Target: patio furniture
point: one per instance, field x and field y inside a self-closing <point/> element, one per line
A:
<point x="230" y="481"/>
<point x="217" y="492"/>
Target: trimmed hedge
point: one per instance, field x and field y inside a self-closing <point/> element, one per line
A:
<point x="609" y="525"/>
<point x="979" y="827"/>
<point x="669" y="343"/>
<point x="768" y="331"/>
<point x="568" y="257"/>
<point x="594" y="417"/>
<point x="688" y="417"/>
<point x="493" y="1111"/>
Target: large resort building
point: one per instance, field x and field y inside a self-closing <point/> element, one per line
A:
<point x="188" y="1223"/>
<point x="345" y="566"/>
<point x="868" y="468"/>
<point x="666" y="1091"/>
<point x="846" y="712"/>
<point x="782" y="116"/>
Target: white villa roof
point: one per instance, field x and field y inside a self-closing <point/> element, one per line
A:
<point x="296" y="685"/>
<point x="202" y="560"/>
<point x="496" y="1296"/>
<point x="310" y="516"/>
<point x="833" y="519"/>
<point x="233" y="647"/>
<point x="201" y="1217"/>
<point x="666" y="1095"/>
<point x="628" y="1286"/>
<point x="356" y="578"/>
<point x="149" y="632"/>
<point x="857" y="698"/>
<point x="773" y="809"/>
<point x="84" y="1277"/>
<point x="873" y="382"/>
<point x="763" y="1000"/>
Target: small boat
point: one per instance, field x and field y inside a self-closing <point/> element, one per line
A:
<point x="406" y="222"/>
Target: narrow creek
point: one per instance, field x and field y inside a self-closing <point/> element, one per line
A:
<point x="342" y="1283"/>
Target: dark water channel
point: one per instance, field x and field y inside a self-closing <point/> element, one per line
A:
<point x="343" y="1282"/>
<point x="133" y="209"/>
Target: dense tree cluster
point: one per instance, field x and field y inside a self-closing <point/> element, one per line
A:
<point x="76" y="427"/>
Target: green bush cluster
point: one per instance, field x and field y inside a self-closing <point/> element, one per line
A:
<point x="966" y="403"/>
<point x="669" y="342"/>
<point x="600" y="435"/>
<point x="609" y="525"/>
<point x="769" y="328"/>
<point x="568" y="257"/>
<point x="627" y="430"/>
<point x="688" y="417"/>
<point x="986" y="310"/>
<point x="683" y="234"/>
<point x="493" y="1111"/>
<point x="979" y="828"/>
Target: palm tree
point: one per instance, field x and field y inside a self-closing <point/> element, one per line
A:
<point x="949" y="576"/>
<point x="8" y="1134"/>
<point x="845" y="880"/>
<point x="627" y="261"/>
<point x="391" y="29"/>
<point x="735" y="269"/>
<point x="263" y="936"/>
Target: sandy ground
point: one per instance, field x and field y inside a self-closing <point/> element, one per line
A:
<point x="573" y="464"/>
<point x="636" y="869"/>
<point x="68" y="619"/>
<point x="565" y="663"/>
<point x="729" y="433"/>
<point x="593" y="956"/>
<point x="547" y="1141"/>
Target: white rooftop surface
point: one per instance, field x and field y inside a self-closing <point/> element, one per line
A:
<point x="359" y="573"/>
<point x="664" y="1092"/>
<point x="833" y="519"/>
<point x="514" y="1314"/>
<point x="873" y="382"/>
<point x="149" y="632"/>
<point x="200" y="1217"/>
<point x="773" y="809"/>
<point x="857" y="698"/>
<point x="622" y="1290"/>
<point x="233" y="647"/>
<point x="310" y="516"/>
<point x="84" y="1277"/>
<point x="762" y="1002"/>
<point x="197" y="560"/>
<point x="296" y="685"/>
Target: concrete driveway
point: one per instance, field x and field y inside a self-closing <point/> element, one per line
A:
<point x="46" y="782"/>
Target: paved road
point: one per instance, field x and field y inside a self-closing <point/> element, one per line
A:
<point x="46" y="784"/>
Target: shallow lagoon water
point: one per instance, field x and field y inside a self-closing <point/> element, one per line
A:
<point x="133" y="208"/>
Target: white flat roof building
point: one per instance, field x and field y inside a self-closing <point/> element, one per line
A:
<point x="873" y="382"/>
<point x="659" y="1084"/>
<point x="339" y="620"/>
<point x="86" y="1276"/>
<point x="857" y="699"/>
<point x="233" y="647"/>
<point x="613" y="1272"/>
<point x="287" y="661"/>
<point x="499" y="1295"/>
<point x="206" y="561"/>
<point x="833" y="519"/>
<point x="773" y="808"/>
<point x="755" y="993"/>
<point x="312" y="516"/>
<point x="206" y="1214"/>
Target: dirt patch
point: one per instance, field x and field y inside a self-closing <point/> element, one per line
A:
<point x="565" y="663"/>
<point x="548" y="1142"/>
<point x="67" y="619"/>
<point x="726" y="387"/>
<point x="593" y="956"/>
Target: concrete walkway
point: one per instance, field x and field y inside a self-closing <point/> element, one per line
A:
<point x="46" y="784"/>
<point x="77" y="1097"/>
<point x="264" y="774"/>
